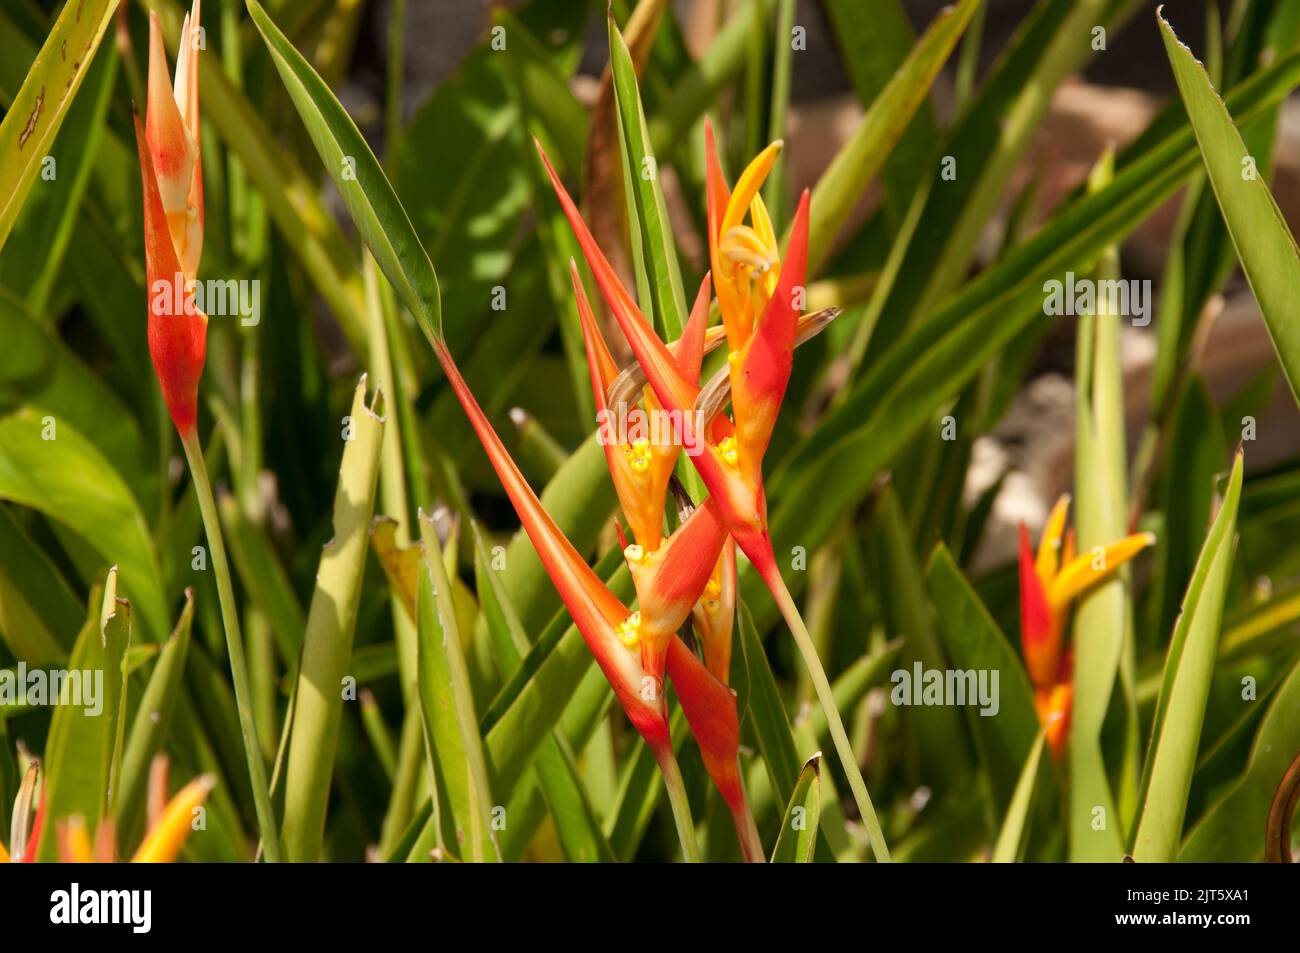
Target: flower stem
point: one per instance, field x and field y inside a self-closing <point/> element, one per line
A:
<point x="751" y="845"/>
<point x="234" y="646"/>
<point x="680" y="805"/>
<point x="822" y="686"/>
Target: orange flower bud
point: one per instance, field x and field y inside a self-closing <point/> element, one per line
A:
<point x="172" y="180"/>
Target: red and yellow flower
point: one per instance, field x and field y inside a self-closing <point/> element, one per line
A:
<point x="640" y="471"/>
<point x="760" y="296"/>
<point x="1050" y="583"/>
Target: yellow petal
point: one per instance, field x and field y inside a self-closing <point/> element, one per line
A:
<point x="1087" y="569"/>
<point x="762" y="221"/>
<point x="163" y="843"/>
<point x="4" y="855"/>
<point x="1049" y="547"/>
<point x="763" y="227"/>
<point x="747" y="186"/>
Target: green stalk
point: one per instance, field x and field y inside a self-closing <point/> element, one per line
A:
<point x="843" y="748"/>
<point x="234" y="646"/>
<point x="679" y="803"/>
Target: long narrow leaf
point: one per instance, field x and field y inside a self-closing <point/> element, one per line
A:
<point x="1176" y="733"/>
<point x="360" y="178"/>
<point x="331" y="624"/>
<point x="1264" y="244"/>
<point x="84" y="747"/>
<point x="855" y="165"/>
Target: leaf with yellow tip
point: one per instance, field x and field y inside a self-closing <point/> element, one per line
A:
<point x="400" y="563"/>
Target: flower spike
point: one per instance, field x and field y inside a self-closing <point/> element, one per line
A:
<point x="731" y="468"/>
<point x="602" y="619"/>
<point x="171" y="173"/>
<point x="640" y="468"/>
<point x="1050" y="582"/>
<point x="760" y="373"/>
<point x="686" y="575"/>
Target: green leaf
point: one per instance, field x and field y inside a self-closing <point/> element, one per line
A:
<point x="41" y="371"/>
<point x="987" y="143"/>
<point x="31" y="264"/>
<point x="52" y="82"/>
<point x="1233" y="830"/>
<point x="264" y="577"/>
<point x="974" y="642"/>
<point x="1185" y="495"/>
<point x="1014" y="836"/>
<point x="576" y="825"/>
<point x="457" y="172"/>
<point x="653" y="248"/>
<point x="152" y="724"/>
<point x="1264" y="244"/>
<point x="829" y="473"/>
<point x="331" y="626"/>
<point x="84" y="747"/>
<point x="776" y="188"/>
<point x="856" y="164"/>
<point x="871" y="58"/>
<point x="70" y="482"/>
<point x="697" y="89"/>
<point x="1103" y="619"/>
<point x="760" y="705"/>
<point x="1176" y="732"/>
<point x="360" y="179"/>
<point x="40" y="615"/>
<point x="451" y="727"/>
<point x="934" y="732"/>
<point x="798" y="838"/>
<point x="543" y="93"/>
